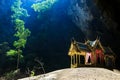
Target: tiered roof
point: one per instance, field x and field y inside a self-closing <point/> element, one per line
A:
<point x="91" y="45"/>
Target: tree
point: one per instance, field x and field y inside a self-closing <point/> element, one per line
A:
<point x="21" y="32"/>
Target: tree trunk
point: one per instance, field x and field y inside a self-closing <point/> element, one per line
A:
<point x="18" y="59"/>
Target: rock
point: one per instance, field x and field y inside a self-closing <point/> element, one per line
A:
<point x="78" y="74"/>
<point x="80" y="15"/>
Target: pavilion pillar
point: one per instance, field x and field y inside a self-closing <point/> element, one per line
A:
<point x="71" y="61"/>
<point x="85" y="59"/>
<point x="76" y="60"/>
<point x="79" y="59"/>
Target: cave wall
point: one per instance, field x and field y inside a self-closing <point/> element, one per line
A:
<point x="98" y="18"/>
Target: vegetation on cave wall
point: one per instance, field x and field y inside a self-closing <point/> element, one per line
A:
<point x="41" y="7"/>
<point x="18" y="11"/>
<point x="21" y="32"/>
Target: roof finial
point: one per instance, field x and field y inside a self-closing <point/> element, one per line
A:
<point x="97" y="37"/>
<point x="85" y="40"/>
<point x="73" y="39"/>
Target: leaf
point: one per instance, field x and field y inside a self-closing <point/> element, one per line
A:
<point x="43" y="6"/>
<point x="11" y="52"/>
<point x="20" y="43"/>
<point x="17" y="10"/>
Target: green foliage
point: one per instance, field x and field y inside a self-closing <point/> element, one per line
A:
<point x="43" y="6"/>
<point x="19" y="23"/>
<point x="17" y="10"/>
<point x="11" y="52"/>
<point x="19" y="43"/>
<point x="21" y="56"/>
<point x="21" y="32"/>
<point x="32" y="73"/>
